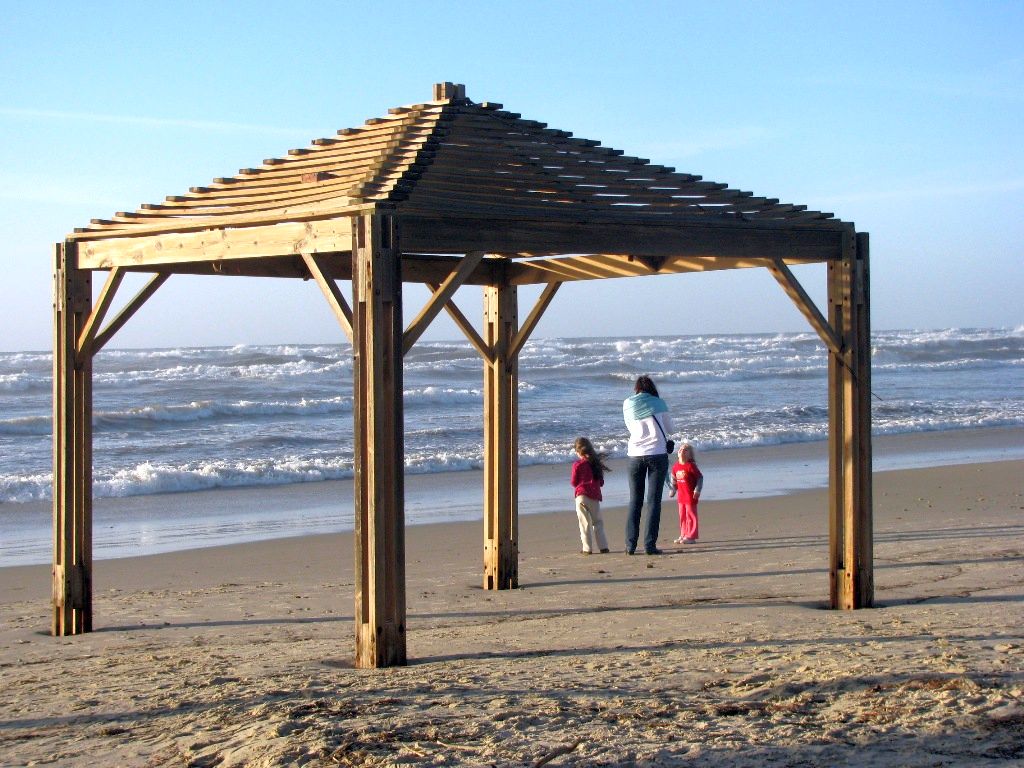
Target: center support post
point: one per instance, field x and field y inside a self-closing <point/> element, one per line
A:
<point x="501" y="438"/>
<point x="380" y="609"/>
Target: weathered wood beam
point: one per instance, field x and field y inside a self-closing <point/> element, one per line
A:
<point x="851" y="565"/>
<point x="380" y="606"/>
<point x="72" y="448"/>
<point x="861" y="358"/>
<point x="523" y="335"/>
<point x="335" y="299"/>
<point x="453" y="234"/>
<point x="289" y="238"/>
<point x="335" y="265"/>
<point x="429" y="268"/>
<point x="165" y="224"/>
<point x="481" y="346"/>
<point x="85" y="339"/>
<point x="134" y="305"/>
<point x="501" y="441"/>
<point x="441" y="295"/>
<point x="785" y="277"/>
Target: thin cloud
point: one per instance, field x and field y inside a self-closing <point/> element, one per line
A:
<point x="152" y="122"/>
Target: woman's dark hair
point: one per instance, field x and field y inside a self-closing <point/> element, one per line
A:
<point x="595" y="459"/>
<point x="644" y="384"/>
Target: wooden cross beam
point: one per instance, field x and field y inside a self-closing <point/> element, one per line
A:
<point x="442" y="294"/>
<point x="466" y="327"/>
<point x="533" y="318"/>
<point x="342" y="311"/>
<point x="806" y="305"/>
<point x="92" y="325"/>
<point x="91" y="342"/>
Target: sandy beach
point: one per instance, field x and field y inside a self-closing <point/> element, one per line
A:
<point x="719" y="653"/>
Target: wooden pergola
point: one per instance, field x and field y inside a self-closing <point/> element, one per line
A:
<point x="450" y="193"/>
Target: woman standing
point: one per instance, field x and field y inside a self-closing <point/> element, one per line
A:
<point x="648" y="422"/>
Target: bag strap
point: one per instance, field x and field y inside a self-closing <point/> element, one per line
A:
<point x="660" y="428"/>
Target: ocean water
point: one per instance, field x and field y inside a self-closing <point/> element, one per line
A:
<point x="246" y="417"/>
<point x="185" y="419"/>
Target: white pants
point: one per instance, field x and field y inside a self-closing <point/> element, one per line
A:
<point x="588" y="511"/>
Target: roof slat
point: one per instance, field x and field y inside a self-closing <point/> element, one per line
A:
<point x="453" y="155"/>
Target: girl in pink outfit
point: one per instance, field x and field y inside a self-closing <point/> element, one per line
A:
<point x="685" y="482"/>
<point x="587" y="479"/>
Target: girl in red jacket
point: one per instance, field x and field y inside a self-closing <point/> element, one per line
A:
<point x="685" y="482"/>
<point x="587" y="479"/>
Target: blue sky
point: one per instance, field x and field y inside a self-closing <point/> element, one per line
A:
<point x="905" y="118"/>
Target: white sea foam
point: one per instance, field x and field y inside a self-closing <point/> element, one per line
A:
<point x="26" y="425"/>
<point x="446" y="395"/>
<point x="208" y="409"/>
<point x="190" y="418"/>
<point x="21" y="382"/>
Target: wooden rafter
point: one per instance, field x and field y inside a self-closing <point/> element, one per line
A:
<point x="601" y="266"/>
<point x="335" y="299"/>
<point x="442" y="294"/>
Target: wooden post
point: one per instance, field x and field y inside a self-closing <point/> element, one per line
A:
<point x="379" y="442"/>
<point x="863" y="524"/>
<point x="72" y="447"/>
<point x="851" y="556"/>
<point x="501" y="439"/>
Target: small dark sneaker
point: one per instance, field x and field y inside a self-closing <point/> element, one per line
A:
<point x="655" y="551"/>
<point x="604" y="551"/>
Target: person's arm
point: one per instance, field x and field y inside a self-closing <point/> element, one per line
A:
<point x="670" y="481"/>
<point x="699" y="486"/>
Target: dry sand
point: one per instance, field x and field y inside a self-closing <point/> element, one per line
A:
<point x="718" y="654"/>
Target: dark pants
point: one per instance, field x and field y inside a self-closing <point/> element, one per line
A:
<point x="651" y="470"/>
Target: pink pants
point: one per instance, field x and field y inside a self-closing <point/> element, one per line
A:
<point x="687" y="517"/>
